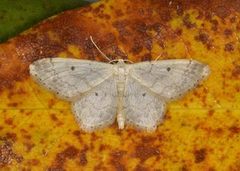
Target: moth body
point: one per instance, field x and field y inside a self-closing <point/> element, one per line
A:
<point x="121" y="72"/>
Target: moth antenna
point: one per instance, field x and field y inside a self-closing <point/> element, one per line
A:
<point x="105" y="56"/>
<point x="158" y="57"/>
<point x="128" y="61"/>
<point x="126" y="55"/>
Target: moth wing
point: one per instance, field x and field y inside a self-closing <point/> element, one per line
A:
<point x="142" y="108"/>
<point x="69" y="78"/>
<point x="97" y="108"/>
<point x="170" y="79"/>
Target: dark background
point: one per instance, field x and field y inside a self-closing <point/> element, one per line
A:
<point x="19" y="15"/>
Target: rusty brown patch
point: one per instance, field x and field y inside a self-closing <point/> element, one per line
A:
<point x="214" y="25"/>
<point x="98" y="9"/>
<point x="77" y="133"/>
<point x="33" y="162"/>
<point x="237" y="88"/>
<point x="184" y="168"/>
<point x="200" y="155"/>
<point x="100" y="166"/>
<point x="28" y="146"/>
<point x="211" y="169"/>
<point x="144" y="152"/>
<point x="23" y="131"/>
<point x="204" y="39"/>
<point x="28" y="113"/>
<point x="233" y="19"/>
<point x="179" y="7"/>
<point x="54" y="117"/>
<point x="218" y="132"/>
<point x="228" y="32"/>
<point x="234" y="129"/>
<point x="136" y="48"/>
<point x="229" y="47"/>
<point x="20" y="91"/>
<point x="9" y="73"/>
<point x="70" y="152"/>
<point x="9" y="121"/>
<point x="236" y="71"/>
<point x="13" y="104"/>
<point x="83" y="157"/>
<point x="146" y="57"/>
<point x="121" y="28"/>
<point x="148" y="139"/>
<point x="140" y="168"/>
<point x="27" y="137"/>
<point x="119" y="13"/>
<point x="51" y="103"/>
<point x="7" y="155"/>
<point x="178" y="32"/>
<point x="103" y="147"/>
<point x="116" y="158"/>
<point x="211" y="112"/>
<point x="187" y="22"/>
<point x="222" y="11"/>
<point x="11" y="136"/>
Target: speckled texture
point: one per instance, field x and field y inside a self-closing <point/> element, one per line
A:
<point x="200" y="132"/>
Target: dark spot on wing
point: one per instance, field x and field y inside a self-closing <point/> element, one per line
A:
<point x="96" y="94"/>
<point x="168" y="69"/>
<point x="72" y="68"/>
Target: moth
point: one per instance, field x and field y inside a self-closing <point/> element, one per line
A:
<point x="134" y="94"/>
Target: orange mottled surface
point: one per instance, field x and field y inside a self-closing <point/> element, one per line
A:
<point x="200" y="131"/>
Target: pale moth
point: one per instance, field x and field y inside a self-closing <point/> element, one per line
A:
<point x="134" y="94"/>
